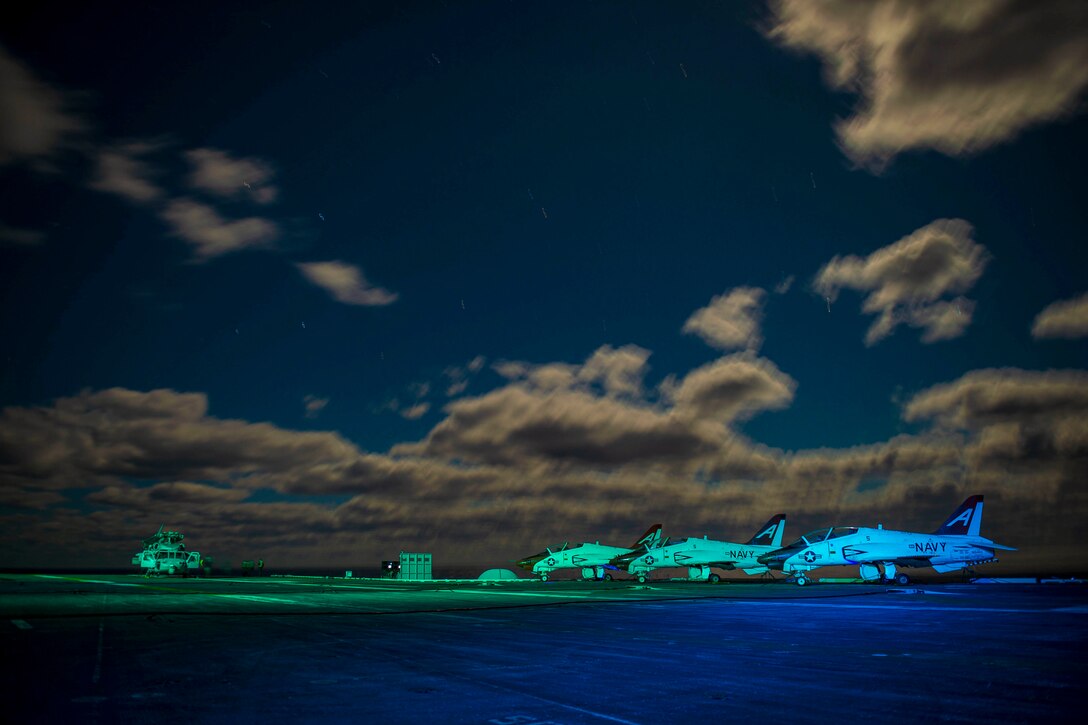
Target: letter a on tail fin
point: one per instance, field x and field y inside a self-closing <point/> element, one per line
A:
<point x="650" y="538"/>
<point x="770" y="534"/>
<point x="966" y="521"/>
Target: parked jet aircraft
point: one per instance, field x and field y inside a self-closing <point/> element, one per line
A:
<point x="956" y="545"/>
<point x="593" y="559"/>
<point x="698" y="555"/>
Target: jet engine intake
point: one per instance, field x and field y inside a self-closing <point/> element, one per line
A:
<point x="869" y="572"/>
<point x="699" y="573"/>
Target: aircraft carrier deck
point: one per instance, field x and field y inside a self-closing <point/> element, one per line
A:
<point x="92" y="648"/>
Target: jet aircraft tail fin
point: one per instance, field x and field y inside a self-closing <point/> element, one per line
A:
<point x="770" y="533"/>
<point x="965" y="520"/>
<point x="650" y="538"/>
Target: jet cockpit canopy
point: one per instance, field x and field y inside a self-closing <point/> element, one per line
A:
<point x="815" y="537"/>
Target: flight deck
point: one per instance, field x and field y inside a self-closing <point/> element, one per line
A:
<point x="109" y="648"/>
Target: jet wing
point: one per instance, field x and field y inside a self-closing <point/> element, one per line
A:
<point x="879" y="553"/>
<point x="913" y="561"/>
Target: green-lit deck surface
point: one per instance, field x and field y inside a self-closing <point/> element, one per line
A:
<point x="67" y="595"/>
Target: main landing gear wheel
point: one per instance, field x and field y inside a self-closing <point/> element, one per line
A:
<point x="713" y="578"/>
<point x="608" y="577"/>
<point x="902" y="580"/>
<point x="802" y="580"/>
<point x="641" y="578"/>
<point x="543" y="577"/>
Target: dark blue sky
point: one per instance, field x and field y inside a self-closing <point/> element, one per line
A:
<point x="532" y="182"/>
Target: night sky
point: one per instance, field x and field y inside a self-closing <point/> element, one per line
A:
<point x="320" y="283"/>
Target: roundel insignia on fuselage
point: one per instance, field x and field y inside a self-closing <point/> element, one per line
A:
<point x="551" y="562"/>
<point x="649" y="560"/>
<point x="810" y="556"/>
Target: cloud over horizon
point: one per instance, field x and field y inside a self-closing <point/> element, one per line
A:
<point x="550" y="459"/>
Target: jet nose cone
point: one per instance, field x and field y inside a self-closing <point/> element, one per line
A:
<point x="528" y="562"/>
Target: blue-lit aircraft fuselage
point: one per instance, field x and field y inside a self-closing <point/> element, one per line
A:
<point x="956" y="545"/>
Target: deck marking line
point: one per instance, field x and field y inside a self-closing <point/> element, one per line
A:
<point x="21" y="624"/>
<point x="180" y="590"/>
<point x="276" y="600"/>
<point x="523" y="594"/>
<point x="255" y="598"/>
<point x="465" y="616"/>
<point x="87" y="581"/>
<point x="347" y="587"/>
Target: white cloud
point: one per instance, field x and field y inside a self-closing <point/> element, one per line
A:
<point x="518" y="424"/>
<point x="459" y="376"/>
<point x="156" y="435"/>
<point x="211" y="235"/>
<point x="618" y="370"/>
<point x="1065" y="318"/>
<point x="730" y="320"/>
<point x="906" y="280"/>
<point x="594" y="414"/>
<point x="733" y="387"/>
<point x="346" y="283"/>
<point x="957" y="77"/>
<point x="999" y="395"/>
<point x="20" y="237"/>
<point x="416" y="411"/>
<point x="511" y="369"/>
<point x="1028" y="429"/>
<point x="37" y="120"/>
<point x="122" y="170"/>
<point x="218" y="173"/>
<point x="314" y="405"/>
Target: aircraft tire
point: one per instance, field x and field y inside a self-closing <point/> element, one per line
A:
<point x="713" y="578"/>
<point x="902" y="580"/>
<point x="543" y="577"/>
<point x="802" y="581"/>
<point x="608" y="577"/>
<point x="641" y="578"/>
